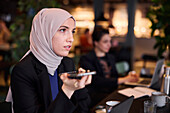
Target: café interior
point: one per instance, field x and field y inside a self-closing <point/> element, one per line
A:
<point x="129" y="27"/>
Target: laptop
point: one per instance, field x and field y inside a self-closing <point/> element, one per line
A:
<point x="123" y="107"/>
<point x="149" y="82"/>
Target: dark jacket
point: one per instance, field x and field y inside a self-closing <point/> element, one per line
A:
<point x="99" y="82"/>
<point x="31" y="89"/>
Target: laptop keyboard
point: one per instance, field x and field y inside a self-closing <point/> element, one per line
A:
<point x="145" y="82"/>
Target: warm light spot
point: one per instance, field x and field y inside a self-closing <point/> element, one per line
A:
<point x="142" y="26"/>
<point x="156" y="32"/>
<point x="143" y="29"/>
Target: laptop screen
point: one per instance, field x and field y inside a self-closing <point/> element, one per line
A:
<point x="157" y="72"/>
<point x="123" y="107"/>
<point x="147" y="82"/>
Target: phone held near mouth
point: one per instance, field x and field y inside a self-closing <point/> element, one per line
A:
<point x="75" y="75"/>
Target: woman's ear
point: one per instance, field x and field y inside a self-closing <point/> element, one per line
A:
<point x="95" y="43"/>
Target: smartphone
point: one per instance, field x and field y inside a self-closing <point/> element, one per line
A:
<point x="79" y="75"/>
<point x="76" y="75"/>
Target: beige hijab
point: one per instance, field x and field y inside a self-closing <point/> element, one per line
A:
<point x="44" y="26"/>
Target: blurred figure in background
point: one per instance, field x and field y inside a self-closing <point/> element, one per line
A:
<point x="5" y="54"/>
<point x="106" y="80"/>
<point x="4" y="36"/>
<point x="86" y="41"/>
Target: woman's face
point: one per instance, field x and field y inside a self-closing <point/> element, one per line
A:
<point x="63" y="39"/>
<point x="104" y="44"/>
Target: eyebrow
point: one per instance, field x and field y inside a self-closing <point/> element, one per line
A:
<point x="67" y="27"/>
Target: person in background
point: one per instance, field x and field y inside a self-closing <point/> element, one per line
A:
<point x="4" y="38"/>
<point x="35" y="84"/>
<point x="5" y="53"/>
<point x="86" y="41"/>
<point x="106" y="80"/>
<point x="4" y="33"/>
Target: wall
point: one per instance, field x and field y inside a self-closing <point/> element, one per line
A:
<point x="144" y="46"/>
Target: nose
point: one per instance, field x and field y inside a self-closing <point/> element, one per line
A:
<point x="70" y="37"/>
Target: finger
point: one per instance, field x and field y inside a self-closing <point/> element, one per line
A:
<point x="63" y="77"/>
<point x="81" y="70"/>
<point x="133" y="72"/>
<point x="83" y="81"/>
<point x="89" y="79"/>
<point x="76" y="84"/>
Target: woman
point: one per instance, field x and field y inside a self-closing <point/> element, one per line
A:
<point x="35" y="84"/>
<point x="106" y="80"/>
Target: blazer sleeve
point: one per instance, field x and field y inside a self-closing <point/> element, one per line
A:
<point x="83" y="100"/>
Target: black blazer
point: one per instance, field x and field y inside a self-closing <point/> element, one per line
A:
<point x="31" y="89"/>
<point x="99" y="82"/>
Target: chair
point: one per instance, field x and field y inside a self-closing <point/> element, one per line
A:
<point x="122" y="67"/>
<point x="5" y="107"/>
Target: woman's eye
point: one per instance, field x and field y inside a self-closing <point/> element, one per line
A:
<point x="62" y="30"/>
<point x="105" y="41"/>
<point x="73" y="31"/>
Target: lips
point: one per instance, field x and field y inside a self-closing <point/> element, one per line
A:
<point x="68" y="47"/>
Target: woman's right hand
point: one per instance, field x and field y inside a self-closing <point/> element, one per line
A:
<point x="132" y="77"/>
<point x="70" y="85"/>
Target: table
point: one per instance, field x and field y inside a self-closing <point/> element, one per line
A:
<point x="137" y="105"/>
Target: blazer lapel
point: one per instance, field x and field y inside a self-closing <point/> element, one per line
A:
<point x="60" y="70"/>
<point x="44" y="83"/>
